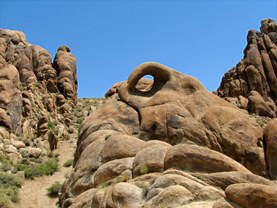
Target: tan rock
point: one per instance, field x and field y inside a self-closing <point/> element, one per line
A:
<point x="10" y="149"/>
<point x="84" y="199"/>
<point x="17" y="144"/>
<point x="227" y="203"/>
<point x="111" y="170"/>
<point x="150" y="159"/>
<point x="199" y="159"/>
<point x="4" y="133"/>
<point x="35" y="152"/>
<point x="225" y="179"/>
<point x="252" y="195"/>
<point x="258" y="105"/>
<point x="172" y="196"/>
<point x="208" y="193"/>
<point x="208" y="204"/>
<point x="65" y="64"/>
<point x="121" y="146"/>
<point x="127" y="195"/>
<point x="270" y="133"/>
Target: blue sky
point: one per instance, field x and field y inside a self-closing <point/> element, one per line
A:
<point x="109" y="39"/>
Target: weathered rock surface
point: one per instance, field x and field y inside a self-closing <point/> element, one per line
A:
<point x="270" y="137"/>
<point x="252" y="83"/>
<point x="32" y="91"/>
<point x="167" y="143"/>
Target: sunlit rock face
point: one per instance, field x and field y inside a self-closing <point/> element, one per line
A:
<point x="252" y="83"/>
<point x="36" y="98"/>
<point x="167" y="142"/>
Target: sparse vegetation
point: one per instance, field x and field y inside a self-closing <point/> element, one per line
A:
<point x="35" y="170"/>
<point x="68" y="163"/>
<point x="105" y="185"/>
<point x="5" y="164"/>
<point x="144" y="169"/>
<point x="54" y="189"/>
<point x="70" y="130"/>
<point x="9" y="185"/>
<point x="50" y="125"/>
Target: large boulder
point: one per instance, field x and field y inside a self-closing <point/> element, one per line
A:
<point x="171" y="142"/>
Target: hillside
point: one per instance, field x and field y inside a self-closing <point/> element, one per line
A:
<point x="166" y="142"/>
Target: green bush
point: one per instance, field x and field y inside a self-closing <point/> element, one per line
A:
<point x="31" y="171"/>
<point x="54" y="189"/>
<point x="50" y="125"/>
<point x="105" y="185"/>
<point x="4" y="163"/>
<point x="70" y="130"/>
<point x="68" y="163"/>
<point x="79" y="120"/>
<point x="9" y="185"/>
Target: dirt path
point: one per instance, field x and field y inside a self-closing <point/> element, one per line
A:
<point x="33" y="193"/>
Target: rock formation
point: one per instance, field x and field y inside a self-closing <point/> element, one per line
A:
<point x="34" y="93"/>
<point x="252" y="83"/>
<point x="169" y="143"/>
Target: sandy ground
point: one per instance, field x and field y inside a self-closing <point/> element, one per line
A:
<point x="33" y="193"/>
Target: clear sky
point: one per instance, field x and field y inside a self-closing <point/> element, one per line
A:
<point x="109" y="39"/>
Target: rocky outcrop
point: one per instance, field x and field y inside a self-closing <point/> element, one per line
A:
<point x="252" y="83"/>
<point x="169" y="143"/>
<point x="36" y="97"/>
<point x="66" y="66"/>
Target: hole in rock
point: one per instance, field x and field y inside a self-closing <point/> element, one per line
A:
<point x="145" y="83"/>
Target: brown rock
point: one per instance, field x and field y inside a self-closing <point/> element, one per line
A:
<point x="270" y="133"/>
<point x="172" y="196"/>
<point x="111" y="170"/>
<point x="35" y="152"/>
<point x="10" y="99"/>
<point x="42" y="127"/>
<point x="226" y="203"/>
<point x="65" y="65"/>
<point x="127" y="195"/>
<point x="225" y="179"/>
<point x="150" y="159"/>
<point x="84" y="199"/>
<point x="258" y="105"/>
<point x="52" y="139"/>
<point x="252" y="195"/>
<point x="121" y="146"/>
<point x="199" y="159"/>
<point x="254" y="77"/>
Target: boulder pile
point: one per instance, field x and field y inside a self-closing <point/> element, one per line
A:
<point x="170" y="143"/>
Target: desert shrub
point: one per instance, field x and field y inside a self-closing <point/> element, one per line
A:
<point x="35" y="170"/>
<point x="5" y="164"/>
<point x="79" y="120"/>
<point x="50" y="125"/>
<point x="68" y="163"/>
<point x="105" y="184"/>
<point x="261" y="123"/>
<point x="54" y="189"/>
<point x="70" y="130"/>
<point x="9" y="185"/>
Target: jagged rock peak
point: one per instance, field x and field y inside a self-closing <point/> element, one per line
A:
<point x="252" y="83"/>
<point x="268" y="25"/>
<point x="34" y="64"/>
